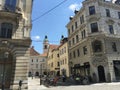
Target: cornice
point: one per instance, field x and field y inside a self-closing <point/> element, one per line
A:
<point x="88" y="1"/>
<point x="109" y="5"/>
<point x="110" y="21"/>
<point x="92" y="18"/>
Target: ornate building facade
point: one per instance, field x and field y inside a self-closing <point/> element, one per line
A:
<point x="94" y="39"/>
<point x="15" y="27"/>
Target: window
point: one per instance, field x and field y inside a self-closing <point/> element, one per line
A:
<point x="6" y="30"/>
<point x="45" y="47"/>
<point x="52" y="56"/>
<point x="76" y="25"/>
<point x="92" y="10"/>
<point x="74" y="55"/>
<point x="73" y="41"/>
<point x="94" y="27"/>
<point x="70" y="43"/>
<point x="84" y="50"/>
<point x="61" y="62"/>
<point x="36" y="60"/>
<point x="10" y="5"/>
<point x="78" y="52"/>
<point x="36" y="65"/>
<point x="70" y="55"/>
<point x="72" y="28"/>
<point x="52" y="64"/>
<point x="57" y="55"/>
<point x="82" y="19"/>
<point x="65" y="49"/>
<point x="111" y="29"/>
<point x="83" y="33"/>
<point x="116" y="64"/>
<point x="77" y="38"/>
<point x="119" y="15"/>
<point x="43" y="65"/>
<point x="58" y="63"/>
<point x="114" y="47"/>
<point x="43" y="60"/>
<point x="65" y="61"/>
<point x="97" y="46"/>
<point x="107" y="12"/>
<point x="69" y="31"/>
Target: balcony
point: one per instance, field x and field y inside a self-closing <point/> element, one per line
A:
<point x="10" y="15"/>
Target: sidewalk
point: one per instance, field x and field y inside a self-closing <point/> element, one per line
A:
<point x="34" y="84"/>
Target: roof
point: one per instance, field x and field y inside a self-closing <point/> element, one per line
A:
<point x="44" y="54"/>
<point x="52" y="46"/>
<point x="33" y="52"/>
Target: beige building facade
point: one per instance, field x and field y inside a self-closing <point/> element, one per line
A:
<point x="15" y="27"/>
<point x="63" y="57"/>
<point x="94" y="39"/>
<point x="53" y="60"/>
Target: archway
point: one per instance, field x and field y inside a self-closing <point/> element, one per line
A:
<point x="101" y="74"/>
<point x="37" y="74"/>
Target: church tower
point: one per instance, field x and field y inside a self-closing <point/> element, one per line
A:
<point x="45" y="44"/>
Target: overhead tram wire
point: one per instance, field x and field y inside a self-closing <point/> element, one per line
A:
<point x="49" y="11"/>
<point x="43" y="41"/>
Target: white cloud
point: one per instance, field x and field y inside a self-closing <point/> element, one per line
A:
<point x="36" y="38"/>
<point x="74" y="6"/>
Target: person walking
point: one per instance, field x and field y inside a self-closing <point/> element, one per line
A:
<point x="63" y="78"/>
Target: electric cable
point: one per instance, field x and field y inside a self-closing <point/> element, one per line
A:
<point x="49" y="11"/>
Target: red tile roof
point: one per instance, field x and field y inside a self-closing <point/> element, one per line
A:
<point x="44" y="54"/>
<point x="52" y="46"/>
<point x="33" y="52"/>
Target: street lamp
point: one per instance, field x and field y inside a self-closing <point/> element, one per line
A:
<point x="5" y="56"/>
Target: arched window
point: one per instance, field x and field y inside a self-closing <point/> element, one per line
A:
<point x="6" y="30"/>
<point x="97" y="46"/>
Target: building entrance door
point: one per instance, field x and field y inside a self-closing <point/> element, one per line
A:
<point x="101" y="74"/>
<point x="117" y="69"/>
<point x="5" y="70"/>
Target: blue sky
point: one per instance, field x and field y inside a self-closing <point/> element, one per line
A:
<point x="52" y="24"/>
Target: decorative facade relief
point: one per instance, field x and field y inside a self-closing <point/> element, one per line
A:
<point x="99" y="60"/>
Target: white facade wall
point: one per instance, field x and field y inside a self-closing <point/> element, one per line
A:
<point x="37" y="64"/>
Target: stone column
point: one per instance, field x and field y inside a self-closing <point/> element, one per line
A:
<point x="20" y="68"/>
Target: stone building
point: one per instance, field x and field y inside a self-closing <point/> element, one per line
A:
<point x="37" y="63"/>
<point x="94" y="40"/>
<point x="15" y="27"/>
<point x="63" y="57"/>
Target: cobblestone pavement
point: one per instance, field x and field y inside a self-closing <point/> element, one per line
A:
<point x="34" y="84"/>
